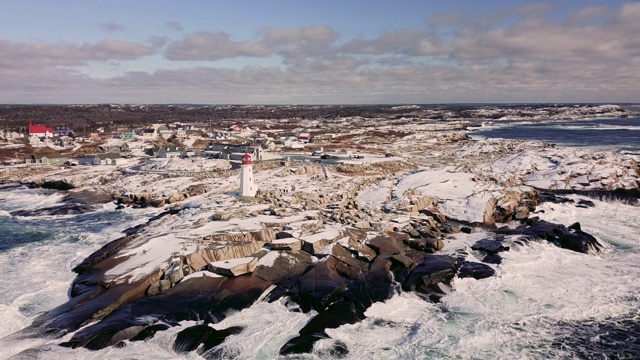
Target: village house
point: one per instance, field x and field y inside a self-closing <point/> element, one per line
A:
<point x="124" y="150"/>
<point x="190" y="127"/>
<point x="83" y="160"/>
<point x="48" y="159"/>
<point x="218" y="135"/>
<point x="34" y="140"/>
<point x="164" y="132"/>
<point x="180" y="134"/>
<point x="107" y="159"/>
<point x="268" y="144"/>
<point x="128" y="134"/>
<point x="166" y="152"/>
<point x="62" y="131"/>
<point x="231" y="151"/>
<point x="321" y="139"/>
<point x="304" y="136"/>
<point x="13" y="136"/>
<point x="149" y="132"/>
<point x="64" y="141"/>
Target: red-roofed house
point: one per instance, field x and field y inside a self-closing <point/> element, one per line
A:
<point x="39" y="130"/>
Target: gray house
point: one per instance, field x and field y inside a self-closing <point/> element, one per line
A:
<point x="106" y="159"/>
<point x="170" y="151"/>
<point x="232" y="151"/>
<point x="48" y="159"/>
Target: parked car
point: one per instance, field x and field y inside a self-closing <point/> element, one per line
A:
<point x="327" y="156"/>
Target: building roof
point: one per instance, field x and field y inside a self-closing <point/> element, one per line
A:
<point x="48" y="156"/>
<point x="108" y="156"/>
<point x="38" y="129"/>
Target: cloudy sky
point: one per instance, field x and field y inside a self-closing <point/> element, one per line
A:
<point x="319" y="51"/>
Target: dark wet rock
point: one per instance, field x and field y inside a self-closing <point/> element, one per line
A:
<point x="110" y="338"/>
<point x="192" y="337"/>
<point x="64" y="209"/>
<point x="87" y="197"/>
<point x="283" y="235"/>
<point x="205" y="298"/>
<point x="427" y="245"/>
<point x="490" y="246"/>
<point x="365" y="253"/>
<point x="437" y="216"/>
<point x="430" y="274"/>
<point x="301" y="344"/>
<point x="339" y="286"/>
<point x="568" y="238"/>
<point x="385" y="245"/>
<point x="571" y="239"/>
<point x="369" y="287"/>
<point x="403" y="260"/>
<point x="492" y="259"/>
<point x="582" y="203"/>
<point x="575" y="226"/>
<point x="475" y="270"/>
<point x="57" y="185"/>
<point x="556" y="199"/>
<point x="323" y="283"/>
<point x="118" y="308"/>
<point x="149" y="332"/>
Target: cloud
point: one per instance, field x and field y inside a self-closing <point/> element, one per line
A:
<point x="414" y="42"/>
<point x="174" y="25"/>
<point x="206" y="45"/>
<point x="115" y="49"/>
<point x="525" y="54"/>
<point x="39" y="54"/>
<point x="301" y="41"/>
<point x="158" y="41"/>
<point x="588" y="15"/>
<point x="112" y="27"/>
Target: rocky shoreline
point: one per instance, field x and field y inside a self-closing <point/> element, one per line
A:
<point x="326" y="239"/>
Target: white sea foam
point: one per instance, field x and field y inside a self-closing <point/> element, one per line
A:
<point x="29" y="199"/>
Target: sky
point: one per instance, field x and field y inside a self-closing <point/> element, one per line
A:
<point x="319" y="52"/>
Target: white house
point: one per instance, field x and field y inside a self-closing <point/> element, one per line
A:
<point x="106" y="159"/>
<point x="34" y="140"/>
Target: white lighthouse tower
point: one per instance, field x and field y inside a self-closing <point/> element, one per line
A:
<point x="247" y="186"/>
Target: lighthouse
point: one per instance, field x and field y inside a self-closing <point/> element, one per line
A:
<point x="247" y="186"/>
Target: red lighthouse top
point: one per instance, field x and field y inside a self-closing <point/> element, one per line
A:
<point x="246" y="159"/>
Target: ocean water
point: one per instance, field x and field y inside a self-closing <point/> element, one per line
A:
<point x="544" y="302"/>
<point x="607" y="134"/>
